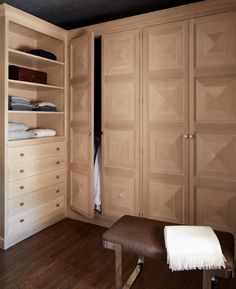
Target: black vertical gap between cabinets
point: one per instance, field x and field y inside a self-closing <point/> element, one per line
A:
<point x="97" y="91"/>
<point x="97" y="107"/>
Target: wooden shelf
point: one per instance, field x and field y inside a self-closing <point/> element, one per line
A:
<point x="33" y="141"/>
<point x="32" y="86"/>
<point x="35" y="112"/>
<point x="25" y="59"/>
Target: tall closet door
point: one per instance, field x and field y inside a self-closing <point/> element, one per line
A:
<point x="120" y="122"/>
<point x="165" y="122"/>
<point x="213" y="121"/>
<point x="81" y="125"/>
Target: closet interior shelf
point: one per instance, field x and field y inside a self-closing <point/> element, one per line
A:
<point x="35" y="112"/>
<point x="22" y="58"/>
<point x="32" y="86"/>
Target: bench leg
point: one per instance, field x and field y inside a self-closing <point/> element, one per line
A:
<point x="207" y="279"/>
<point x="118" y="266"/>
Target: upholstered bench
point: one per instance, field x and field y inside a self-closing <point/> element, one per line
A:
<point x="145" y="238"/>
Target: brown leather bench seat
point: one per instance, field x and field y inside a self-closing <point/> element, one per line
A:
<point x="145" y="237"/>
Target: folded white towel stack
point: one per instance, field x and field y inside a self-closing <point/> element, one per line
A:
<point x="42" y="132"/>
<point x="193" y="247"/>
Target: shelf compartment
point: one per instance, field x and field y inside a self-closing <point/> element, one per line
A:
<point x="34" y="141"/>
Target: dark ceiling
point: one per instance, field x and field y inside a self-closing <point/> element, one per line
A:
<point x="77" y="13"/>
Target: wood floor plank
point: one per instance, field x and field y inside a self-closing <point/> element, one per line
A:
<point x="70" y="255"/>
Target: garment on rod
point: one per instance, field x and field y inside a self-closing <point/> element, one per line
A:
<point x="97" y="180"/>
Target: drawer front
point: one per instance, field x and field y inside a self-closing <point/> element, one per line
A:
<point x="20" y="221"/>
<point x="37" y="167"/>
<point x="28" y="201"/>
<point x="35" y="152"/>
<point x="35" y="183"/>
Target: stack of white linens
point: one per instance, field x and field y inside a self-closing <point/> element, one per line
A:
<point x="18" y="131"/>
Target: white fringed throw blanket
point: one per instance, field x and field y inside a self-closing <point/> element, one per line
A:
<point x="193" y="247"/>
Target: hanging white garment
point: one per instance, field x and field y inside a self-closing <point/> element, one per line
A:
<point x="97" y="180"/>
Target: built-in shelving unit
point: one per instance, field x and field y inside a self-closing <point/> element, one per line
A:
<point x="22" y="39"/>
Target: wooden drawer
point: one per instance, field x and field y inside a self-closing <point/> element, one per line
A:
<point x="37" y="167"/>
<point x="35" y="183"/>
<point x="20" y="221"/>
<point x="28" y="201"/>
<point x="35" y="152"/>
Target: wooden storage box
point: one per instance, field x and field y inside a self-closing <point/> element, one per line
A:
<point x="25" y="74"/>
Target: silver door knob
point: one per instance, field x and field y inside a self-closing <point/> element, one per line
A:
<point x="185" y="135"/>
<point x="191" y="136"/>
<point x="89" y="132"/>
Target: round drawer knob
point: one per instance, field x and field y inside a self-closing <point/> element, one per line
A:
<point x="58" y="205"/>
<point x="22" y="154"/>
<point x="57" y="177"/>
<point x="57" y="191"/>
<point x="22" y="204"/>
<point x="58" y="148"/>
<point x="22" y="171"/>
<point x="22" y="220"/>
<point x="58" y="163"/>
<point x="22" y="187"/>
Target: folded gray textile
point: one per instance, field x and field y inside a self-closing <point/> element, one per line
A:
<point x="18" y="135"/>
<point x="19" y="98"/>
<point x="19" y="106"/>
<point x="13" y="126"/>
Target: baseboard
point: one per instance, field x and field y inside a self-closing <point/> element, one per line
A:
<point x="98" y="219"/>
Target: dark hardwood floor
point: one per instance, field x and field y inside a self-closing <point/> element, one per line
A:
<point x="69" y="255"/>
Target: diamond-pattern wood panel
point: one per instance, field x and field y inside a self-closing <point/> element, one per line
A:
<point x="166" y="48"/>
<point x="80" y="145"/>
<point x="165" y="152"/>
<point x="80" y="104"/>
<point x="215" y="99"/>
<point x="120" y="149"/>
<point x="80" y="57"/>
<point x="120" y="56"/>
<point x="216" y="155"/>
<point x="216" y="208"/>
<point x="119" y="196"/>
<point x="166" y="201"/>
<point x="166" y="100"/>
<point x="120" y="99"/>
<point x="216" y="41"/>
<point x="80" y="185"/>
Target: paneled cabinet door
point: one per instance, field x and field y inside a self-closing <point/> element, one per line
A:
<point x="165" y="122"/>
<point x="120" y="122"/>
<point x="81" y="124"/>
<point x="213" y="121"/>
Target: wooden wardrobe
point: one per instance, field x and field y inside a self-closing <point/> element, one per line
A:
<point x="168" y="118"/>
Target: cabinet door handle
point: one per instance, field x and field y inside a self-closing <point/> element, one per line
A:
<point x="186" y="136"/>
<point x="22" y="204"/>
<point x="57" y="191"/>
<point x="22" y="171"/>
<point x="89" y="132"/>
<point x="58" y="205"/>
<point x="22" y="154"/>
<point x="57" y="177"/>
<point x="58" y="163"/>
<point x="22" y="187"/>
<point x="22" y="220"/>
<point x="191" y="136"/>
<point x="57" y="148"/>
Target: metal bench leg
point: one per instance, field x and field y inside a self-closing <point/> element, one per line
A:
<point x="207" y="276"/>
<point x="118" y="261"/>
<point x="135" y="273"/>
